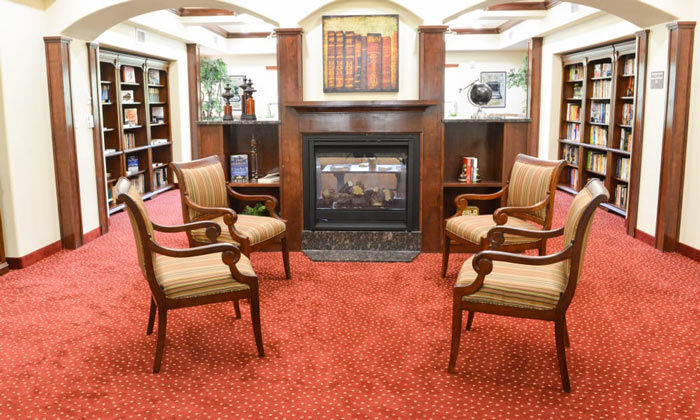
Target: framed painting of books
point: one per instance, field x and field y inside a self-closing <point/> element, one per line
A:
<point x="497" y="82"/>
<point x="361" y="53"/>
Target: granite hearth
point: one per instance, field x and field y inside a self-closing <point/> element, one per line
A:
<point x="368" y="246"/>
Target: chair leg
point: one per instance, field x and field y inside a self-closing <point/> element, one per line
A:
<point x="566" y="334"/>
<point x="285" y="258"/>
<point x="543" y="247"/>
<point x="456" y="334"/>
<point x="445" y="256"/>
<point x="162" y="322"/>
<point x="237" y="308"/>
<point x="151" y="317"/>
<point x="470" y="318"/>
<point x="255" y="317"/>
<point x="559" y="334"/>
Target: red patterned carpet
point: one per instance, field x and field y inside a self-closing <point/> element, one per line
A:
<point x="347" y="340"/>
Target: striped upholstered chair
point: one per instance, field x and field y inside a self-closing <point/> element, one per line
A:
<point x="179" y="278"/>
<point x="528" y="196"/>
<point x="205" y="194"/>
<point x="522" y="286"/>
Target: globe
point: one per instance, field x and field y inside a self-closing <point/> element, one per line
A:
<point x="480" y="94"/>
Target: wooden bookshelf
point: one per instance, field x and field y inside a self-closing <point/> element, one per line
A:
<point x="147" y="98"/>
<point x="602" y="148"/>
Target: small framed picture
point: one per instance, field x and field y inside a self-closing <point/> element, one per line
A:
<point x="153" y="77"/>
<point x="131" y="117"/>
<point x="237" y="90"/>
<point x="127" y="96"/>
<point x="128" y="74"/>
<point x="157" y="115"/>
<point x="497" y="82"/>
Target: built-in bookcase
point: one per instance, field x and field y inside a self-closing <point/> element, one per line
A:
<point x="135" y="123"/>
<point x="597" y="120"/>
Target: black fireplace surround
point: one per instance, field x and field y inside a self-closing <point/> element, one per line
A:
<point x="361" y="182"/>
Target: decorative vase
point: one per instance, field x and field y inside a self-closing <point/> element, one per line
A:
<point x="253" y="160"/>
<point x="228" y="110"/>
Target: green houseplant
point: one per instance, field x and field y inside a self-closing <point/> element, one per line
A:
<point x="517" y="78"/>
<point x="214" y="75"/>
<point x="258" y="210"/>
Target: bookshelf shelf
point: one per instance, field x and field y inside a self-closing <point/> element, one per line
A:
<point x="105" y="82"/>
<point x="131" y="103"/>
<point x="567" y="188"/>
<point x="615" y="209"/>
<point x="627" y="75"/>
<point x="130" y="84"/>
<point x="107" y="103"/>
<point x="627" y="98"/>
<point x="574" y="81"/>
<point x="132" y="127"/>
<point x="113" y="154"/>
<point x="158" y="124"/>
<point x="137" y="149"/>
<point x="624" y="126"/>
<point x="107" y="130"/>
<point x="601" y="78"/>
<point x="600" y="99"/>
<point x="573" y="122"/>
<point x="158" y="86"/>
<point x="599" y="124"/>
<point x="594" y="172"/>
<point x="156" y="103"/>
<point x="574" y="99"/>
<point x="133" y="174"/>
<point x="161" y="144"/>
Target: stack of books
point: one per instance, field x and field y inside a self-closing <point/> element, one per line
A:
<point x="628" y="68"/>
<point x="472" y="169"/>
<point x="129" y="141"/>
<point x="621" y="196"/>
<point x="573" y="178"/>
<point x="599" y="136"/>
<point x="626" y="139"/>
<point x="575" y="72"/>
<point x="601" y="89"/>
<point x="602" y="70"/>
<point x="597" y="162"/>
<point x="160" y="177"/>
<point x="600" y="113"/>
<point x="623" y="168"/>
<point x="153" y="94"/>
<point x="573" y="112"/>
<point x="361" y="62"/>
<point x="573" y="132"/>
<point x="627" y="114"/>
<point x="571" y="154"/>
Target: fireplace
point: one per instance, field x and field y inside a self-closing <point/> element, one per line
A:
<point x="361" y="182"/>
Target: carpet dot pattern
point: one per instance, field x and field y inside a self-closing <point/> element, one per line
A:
<point x="347" y="340"/>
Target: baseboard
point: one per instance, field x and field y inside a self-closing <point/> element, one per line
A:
<point x="689" y="251"/>
<point x="25" y="261"/>
<point x="644" y="237"/>
<point x="4" y="268"/>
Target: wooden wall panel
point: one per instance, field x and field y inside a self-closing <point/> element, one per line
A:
<point x="62" y="132"/>
<point x="534" y="93"/>
<point x="290" y="85"/>
<point x="193" y="78"/>
<point x="680" y="66"/>
<point x="98" y="147"/>
<point x="431" y="75"/>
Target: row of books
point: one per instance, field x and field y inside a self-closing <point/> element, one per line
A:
<point x="621" y="196"/>
<point x="139" y="182"/>
<point x="573" y="112"/>
<point x="623" y="168"/>
<point x="600" y="113"/>
<point x="597" y="162"/>
<point x="361" y="62"/>
<point x="628" y="67"/>
<point x="573" y="131"/>
<point x="571" y="154"/>
<point x="626" y="139"/>
<point x="129" y="141"/>
<point x="153" y="94"/>
<point x="602" y="70"/>
<point x="573" y="178"/>
<point x="160" y="177"/>
<point x="576" y="72"/>
<point x="601" y="89"/>
<point x="627" y="114"/>
<point x="472" y="169"/>
<point x="599" y="136"/>
<point x="578" y="88"/>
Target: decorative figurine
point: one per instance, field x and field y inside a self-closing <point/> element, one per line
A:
<point x="249" y="109"/>
<point x="228" y="110"/>
<point x="253" y="160"/>
<point x="243" y="87"/>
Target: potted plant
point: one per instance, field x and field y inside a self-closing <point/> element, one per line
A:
<point x="214" y="75"/>
<point x="517" y="78"/>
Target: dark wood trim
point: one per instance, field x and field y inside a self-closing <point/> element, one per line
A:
<point x="689" y="251"/>
<point x="518" y="6"/>
<point x="236" y="35"/>
<point x="216" y="29"/>
<point x="271" y="68"/>
<point x="290" y="90"/>
<point x="551" y="3"/>
<point x="644" y="237"/>
<point x="25" y="261"/>
<point x="638" y="131"/>
<point x="98" y="147"/>
<point x="350" y="106"/>
<point x="63" y="136"/>
<point x="92" y="235"/>
<point x="450" y="66"/>
<point x="193" y="78"/>
<point x="534" y="93"/>
<point x="509" y="24"/>
<point x="431" y="88"/>
<point x="191" y="12"/>
<point x="680" y="68"/>
<point x="475" y="31"/>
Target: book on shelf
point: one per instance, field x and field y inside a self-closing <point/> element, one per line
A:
<point x="573" y="112"/>
<point x="128" y="74"/>
<point x="623" y="168"/>
<point x="153" y="77"/>
<point x="602" y="70"/>
<point x="597" y="162"/>
<point x="470" y="169"/>
<point x="600" y="113"/>
<point x="132" y="164"/>
<point x="571" y="154"/>
<point x="239" y="168"/>
<point x="131" y="117"/>
<point x="330" y="59"/>
<point x="349" y="60"/>
<point x="573" y="178"/>
<point x="575" y="72"/>
<point x="160" y="178"/>
<point x="578" y="88"/>
<point x="601" y="89"/>
<point x="626" y="139"/>
<point x="374" y="61"/>
<point x="153" y="94"/>
<point x="357" y="62"/>
<point x="104" y="97"/>
<point x="129" y="141"/>
<point x="573" y="131"/>
<point x="139" y="182"/>
<point x="386" y="63"/>
<point x="157" y="115"/>
<point x="621" y="196"/>
<point x="338" y="59"/>
<point x="627" y="114"/>
<point x="628" y="68"/>
<point x="598" y="136"/>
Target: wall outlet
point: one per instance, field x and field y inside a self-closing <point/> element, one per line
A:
<point x="91" y="121"/>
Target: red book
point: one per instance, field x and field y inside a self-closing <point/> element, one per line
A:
<point x="374" y="66"/>
<point x="330" y="60"/>
<point x="469" y="171"/>
<point x="386" y="63"/>
<point x="358" y="62"/>
<point x="349" y="60"/>
<point x="339" y="59"/>
<point x="363" y="71"/>
<point x="395" y="61"/>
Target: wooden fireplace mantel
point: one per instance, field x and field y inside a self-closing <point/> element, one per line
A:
<point x="361" y="106"/>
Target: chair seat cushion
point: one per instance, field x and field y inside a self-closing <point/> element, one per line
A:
<point x="518" y="285"/>
<point x="474" y="228"/>
<point x="256" y="228"/>
<point x="198" y="276"/>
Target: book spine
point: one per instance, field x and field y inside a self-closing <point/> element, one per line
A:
<point x="349" y="60"/>
<point x="395" y="61"/>
<point x="363" y="70"/>
<point x="386" y="63"/>
<point x="339" y="60"/>
<point x="330" y="60"/>
<point x="373" y="64"/>
<point x="358" y="62"/>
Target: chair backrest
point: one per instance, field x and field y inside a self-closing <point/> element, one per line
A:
<point x="204" y="182"/>
<point x="579" y="219"/>
<point x="530" y="181"/>
<point x="140" y="222"/>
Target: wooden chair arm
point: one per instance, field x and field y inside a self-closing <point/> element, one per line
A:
<point x="230" y="216"/>
<point x="500" y="216"/>
<point x="213" y="230"/>
<point x="270" y="201"/>
<point x="496" y="235"/>
<point x="462" y="200"/>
